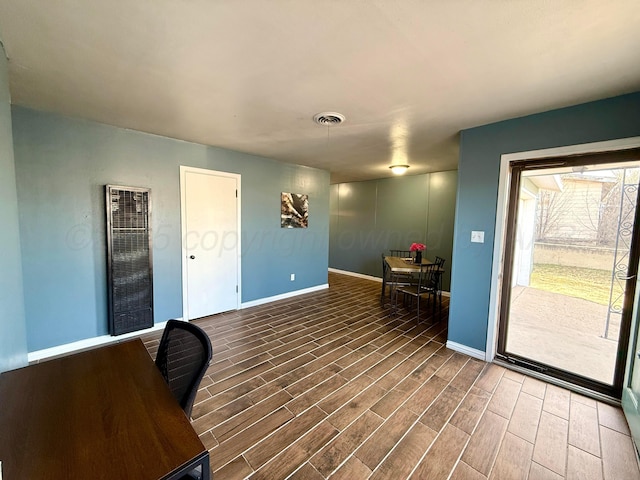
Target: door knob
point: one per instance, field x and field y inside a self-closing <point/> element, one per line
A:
<point x="192" y="257"/>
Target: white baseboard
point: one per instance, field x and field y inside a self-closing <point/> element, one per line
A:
<point x="472" y="352"/>
<point x="354" y="274"/>
<point x="262" y="301"/>
<point x="88" y="343"/>
<point x="38" y="355"/>
<point x="370" y="277"/>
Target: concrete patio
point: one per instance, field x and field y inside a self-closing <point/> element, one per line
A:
<point x="564" y="332"/>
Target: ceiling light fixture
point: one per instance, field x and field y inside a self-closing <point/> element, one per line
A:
<point x="399" y="169"/>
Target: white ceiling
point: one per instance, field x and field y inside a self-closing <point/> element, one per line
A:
<point x="249" y="75"/>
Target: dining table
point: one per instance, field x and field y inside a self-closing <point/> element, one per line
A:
<point x="105" y="413"/>
<point x="400" y="267"/>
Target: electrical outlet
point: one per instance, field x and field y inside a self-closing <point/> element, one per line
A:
<point x="477" y="237"/>
<point x="293" y="277"/>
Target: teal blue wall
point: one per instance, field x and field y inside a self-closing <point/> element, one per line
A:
<point x="62" y="165"/>
<point x="478" y="175"/>
<point x="13" y="338"/>
<point x="368" y="218"/>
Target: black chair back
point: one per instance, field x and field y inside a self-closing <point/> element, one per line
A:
<point x="183" y="357"/>
<point x="401" y="253"/>
<point x="428" y="277"/>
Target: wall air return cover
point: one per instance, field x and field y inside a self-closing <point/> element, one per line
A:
<point x="129" y="259"/>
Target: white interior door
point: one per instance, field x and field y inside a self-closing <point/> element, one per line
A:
<point x="210" y="242"/>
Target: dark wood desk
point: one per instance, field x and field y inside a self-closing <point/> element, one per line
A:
<point x="101" y="414"/>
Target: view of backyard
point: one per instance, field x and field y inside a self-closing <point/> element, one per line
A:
<point x="573" y="231"/>
<point x="586" y="283"/>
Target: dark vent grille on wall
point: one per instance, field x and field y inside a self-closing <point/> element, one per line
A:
<point x="129" y="262"/>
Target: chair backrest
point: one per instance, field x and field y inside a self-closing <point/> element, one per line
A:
<point x="428" y="276"/>
<point x="439" y="261"/>
<point x="385" y="272"/>
<point x="401" y="253"/>
<point x="183" y="357"/>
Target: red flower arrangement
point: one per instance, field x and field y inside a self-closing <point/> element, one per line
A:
<point x="417" y="247"/>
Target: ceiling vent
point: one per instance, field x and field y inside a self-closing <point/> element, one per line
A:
<point x="328" y="118"/>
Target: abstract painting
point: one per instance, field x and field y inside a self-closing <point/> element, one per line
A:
<point x="294" y="210"/>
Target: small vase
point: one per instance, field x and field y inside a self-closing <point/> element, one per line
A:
<point x="418" y="258"/>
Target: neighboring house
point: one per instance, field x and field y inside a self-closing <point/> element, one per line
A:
<point x="577" y="213"/>
<point x="528" y="207"/>
<point x="559" y="214"/>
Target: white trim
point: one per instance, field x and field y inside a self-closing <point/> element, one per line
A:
<point x="472" y="352"/>
<point x="282" y="296"/>
<point x="595" y="147"/>
<point x="183" y="228"/>
<point x="354" y="274"/>
<point x="529" y="193"/>
<point x="501" y="214"/>
<point x="371" y="277"/>
<point x="496" y="270"/>
<point x="87" y="343"/>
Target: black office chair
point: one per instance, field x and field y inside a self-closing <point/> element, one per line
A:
<point x="183" y="357"/>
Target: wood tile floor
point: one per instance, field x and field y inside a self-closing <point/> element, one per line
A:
<point x="327" y="385"/>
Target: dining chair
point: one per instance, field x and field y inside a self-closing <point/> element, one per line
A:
<point x="386" y="279"/>
<point x="183" y="357"/>
<point x="426" y="287"/>
<point x="401" y="253"/>
<point x="439" y="261"/>
<point x="392" y="280"/>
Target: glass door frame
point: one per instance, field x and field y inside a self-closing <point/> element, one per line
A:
<point x="516" y="168"/>
<point x="631" y="397"/>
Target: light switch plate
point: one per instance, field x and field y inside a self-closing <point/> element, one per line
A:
<point x="477" y="236"/>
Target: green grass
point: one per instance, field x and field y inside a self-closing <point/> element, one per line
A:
<point x="585" y="283"/>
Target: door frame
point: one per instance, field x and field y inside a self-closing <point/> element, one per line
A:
<point x="517" y="170"/>
<point x="630" y="401"/>
<point x="501" y="218"/>
<point x="183" y="230"/>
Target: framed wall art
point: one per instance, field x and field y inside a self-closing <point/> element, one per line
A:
<point x="294" y="211"/>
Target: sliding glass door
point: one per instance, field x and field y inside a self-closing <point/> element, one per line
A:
<point x="570" y="267"/>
